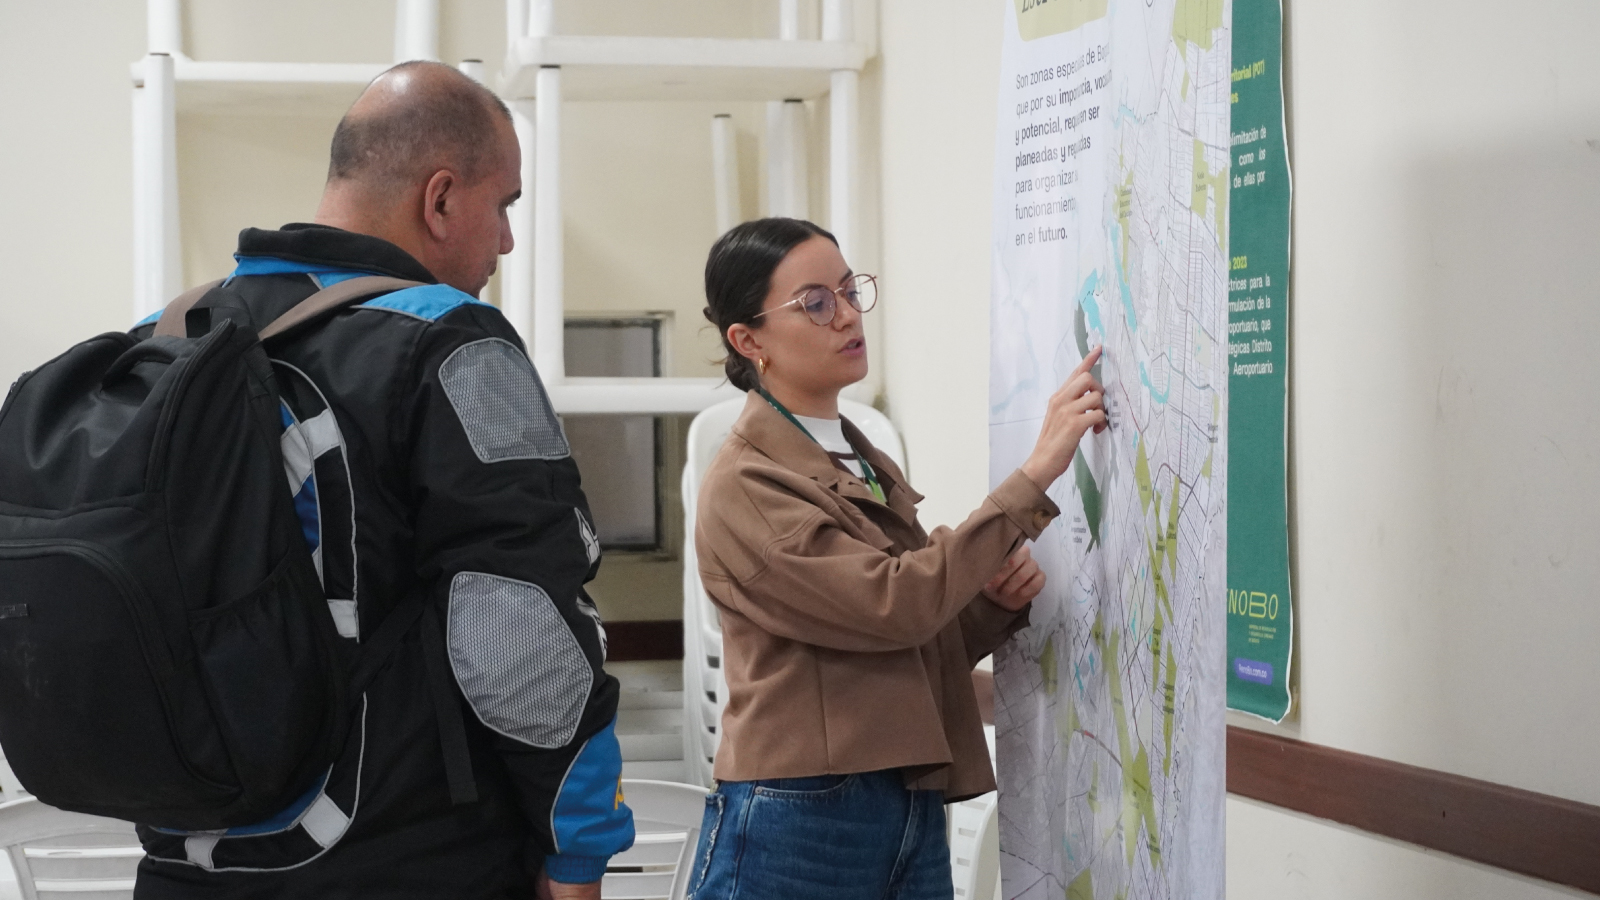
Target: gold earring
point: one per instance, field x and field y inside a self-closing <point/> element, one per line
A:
<point x="761" y="366"/>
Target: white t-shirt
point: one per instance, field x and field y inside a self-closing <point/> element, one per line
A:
<point x="830" y="434"/>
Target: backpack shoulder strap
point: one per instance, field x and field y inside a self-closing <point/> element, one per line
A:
<point x="171" y="323"/>
<point x="330" y="298"/>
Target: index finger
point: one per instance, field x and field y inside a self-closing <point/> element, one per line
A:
<point x="1088" y="362"/>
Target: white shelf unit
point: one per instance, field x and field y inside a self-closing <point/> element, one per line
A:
<point x="644" y="68"/>
<point x="166" y="81"/>
<point x="543" y="69"/>
<point x="266" y="88"/>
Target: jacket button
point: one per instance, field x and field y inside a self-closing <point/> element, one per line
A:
<point x="1041" y="519"/>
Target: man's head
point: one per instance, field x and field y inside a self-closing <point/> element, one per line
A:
<point x="427" y="159"/>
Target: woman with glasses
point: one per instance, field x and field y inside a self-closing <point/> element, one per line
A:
<point x="849" y="633"/>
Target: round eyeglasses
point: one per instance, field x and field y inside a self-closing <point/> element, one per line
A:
<point x="820" y="303"/>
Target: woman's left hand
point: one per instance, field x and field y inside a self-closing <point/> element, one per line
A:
<point x="1019" y="581"/>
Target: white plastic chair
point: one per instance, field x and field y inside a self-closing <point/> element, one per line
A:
<point x="666" y="822"/>
<point x="10" y="787"/>
<point x="701" y="687"/>
<point x="710" y="428"/>
<point x="56" y="853"/>
<point x="705" y="688"/>
<point x="974" y="848"/>
<point x="703" y="693"/>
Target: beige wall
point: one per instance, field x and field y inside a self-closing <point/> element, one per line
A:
<point x="66" y="219"/>
<point x="1445" y="429"/>
<point x="1444" y="470"/>
<point x="940" y="70"/>
<point x="1274" y="855"/>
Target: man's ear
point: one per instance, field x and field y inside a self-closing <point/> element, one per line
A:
<point x="744" y="341"/>
<point x="437" y="197"/>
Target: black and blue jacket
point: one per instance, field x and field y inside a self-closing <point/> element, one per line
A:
<point x="426" y="458"/>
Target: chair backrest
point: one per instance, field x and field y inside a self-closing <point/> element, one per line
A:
<point x="703" y="699"/>
<point x="705" y="689"/>
<point x="699" y="747"/>
<point x="10" y="787"/>
<point x="878" y="429"/>
<point x="56" y="853"/>
<point x="974" y="847"/>
<point x="710" y="428"/>
<point x="666" y="822"/>
<point x="706" y="434"/>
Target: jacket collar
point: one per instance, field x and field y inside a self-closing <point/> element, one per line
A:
<point x="323" y="245"/>
<point x="776" y="437"/>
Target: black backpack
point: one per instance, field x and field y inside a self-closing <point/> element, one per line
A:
<point x="167" y="655"/>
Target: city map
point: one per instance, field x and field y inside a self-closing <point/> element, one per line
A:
<point x="1111" y="198"/>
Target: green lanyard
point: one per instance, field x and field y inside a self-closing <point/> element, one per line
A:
<point x="867" y="475"/>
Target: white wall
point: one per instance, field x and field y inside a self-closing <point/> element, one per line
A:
<point x="1444" y="466"/>
<point x="1278" y="855"/>
<point x="66" y="219"/>
<point x="1445" y="427"/>
<point x="940" y="72"/>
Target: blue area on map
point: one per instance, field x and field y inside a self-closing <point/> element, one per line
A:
<point x="1251" y="670"/>
<point x="1091" y="311"/>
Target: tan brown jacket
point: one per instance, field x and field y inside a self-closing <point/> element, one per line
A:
<point x="849" y="633"/>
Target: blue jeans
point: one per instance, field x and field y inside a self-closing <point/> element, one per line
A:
<point x="829" y="837"/>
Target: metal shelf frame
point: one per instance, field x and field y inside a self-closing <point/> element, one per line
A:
<point x="544" y="69"/>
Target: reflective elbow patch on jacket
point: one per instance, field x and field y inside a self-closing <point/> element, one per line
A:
<point x="502" y="403"/>
<point x="516" y="659"/>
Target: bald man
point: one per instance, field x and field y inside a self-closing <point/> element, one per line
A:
<point x="482" y="761"/>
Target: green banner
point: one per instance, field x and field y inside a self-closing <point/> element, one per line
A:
<point x="1260" y="611"/>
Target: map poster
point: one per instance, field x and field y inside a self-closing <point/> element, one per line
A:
<point x="1260" y="614"/>
<point x="1110" y="228"/>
